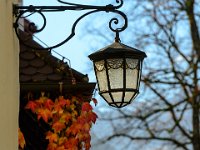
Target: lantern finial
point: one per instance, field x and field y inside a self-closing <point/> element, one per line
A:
<point x="117" y="39"/>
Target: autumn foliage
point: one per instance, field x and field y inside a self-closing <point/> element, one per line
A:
<point x="21" y="139"/>
<point x="70" y="121"/>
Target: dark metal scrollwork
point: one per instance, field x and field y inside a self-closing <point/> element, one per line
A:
<point x="20" y="11"/>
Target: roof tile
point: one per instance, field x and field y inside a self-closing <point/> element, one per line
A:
<point x="45" y="69"/>
<point x="29" y="70"/>
<point x="27" y="55"/>
<point x="37" y="62"/>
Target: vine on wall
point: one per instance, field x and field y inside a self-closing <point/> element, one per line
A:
<point x="70" y="121"/>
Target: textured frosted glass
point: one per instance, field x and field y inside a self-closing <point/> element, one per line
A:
<point x="107" y="97"/>
<point x="131" y="73"/>
<point x="128" y="96"/>
<point x="102" y="80"/>
<point x="116" y="78"/>
<point x="118" y="104"/>
<point x="131" y="78"/>
<point x="117" y="96"/>
<point x="131" y="63"/>
<point x="124" y="104"/>
<point x="101" y="76"/>
<point x="115" y="73"/>
<point x="99" y="65"/>
<point x="115" y="63"/>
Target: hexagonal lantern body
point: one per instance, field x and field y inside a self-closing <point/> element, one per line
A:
<point x="118" y="70"/>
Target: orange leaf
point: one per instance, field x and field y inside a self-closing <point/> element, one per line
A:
<point x="62" y="140"/>
<point x="71" y="144"/>
<point x="63" y="102"/>
<point x="68" y="102"/>
<point x="86" y="106"/>
<point x="45" y="114"/>
<point x="41" y="100"/>
<point x="31" y="105"/>
<point x="72" y="107"/>
<point x="58" y="109"/>
<point x="52" y="137"/>
<point x="61" y="148"/>
<point x="52" y="146"/>
<point x="58" y="126"/>
<point x="74" y="129"/>
<point x="21" y="139"/>
<point x="86" y="127"/>
<point x="65" y="117"/>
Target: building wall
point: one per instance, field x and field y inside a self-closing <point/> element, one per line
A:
<point x="9" y="79"/>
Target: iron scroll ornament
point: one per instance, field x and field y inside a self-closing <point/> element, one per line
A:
<point x="20" y="11"/>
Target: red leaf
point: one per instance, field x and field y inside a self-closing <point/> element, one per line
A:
<point x="82" y="119"/>
<point x="87" y="146"/>
<point x="94" y="101"/>
<point x="62" y="102"/>
<point x="49" y="104"/>
<point x="92" y="116"/>
<point x="31" y="105"/>
<point x="86" y="106"/>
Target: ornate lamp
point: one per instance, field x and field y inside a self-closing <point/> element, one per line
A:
<point x="118" y="67"/>
<point x="118" y="70"/>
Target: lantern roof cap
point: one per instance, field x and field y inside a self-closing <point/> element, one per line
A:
<point x="117" y="50"/>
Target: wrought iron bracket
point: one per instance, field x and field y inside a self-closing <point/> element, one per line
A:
<point x="20" y="11"/>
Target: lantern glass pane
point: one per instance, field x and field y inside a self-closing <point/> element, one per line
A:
<point x="128" y="96"/>
<point x="131" y="73"/>
<point x="131" y="78"/>
<point x="117" y="96"/>
<point x="131" y="63"/>
<point x="115" y="72"/>
<point x="101" y="75"/>
<point x="107" y="97"/>
<point x="118" y="104"/>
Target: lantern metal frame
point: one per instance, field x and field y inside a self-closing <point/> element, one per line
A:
<point x="111" y="52"/>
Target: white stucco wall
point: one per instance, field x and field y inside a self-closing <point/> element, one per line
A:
<point x="9" y="79"/>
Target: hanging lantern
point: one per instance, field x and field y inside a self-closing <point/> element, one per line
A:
<point x="118" y="70"/>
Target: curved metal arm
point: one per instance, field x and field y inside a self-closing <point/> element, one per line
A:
<point x="21" y="10"/>
<point x="81" y="5"/>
